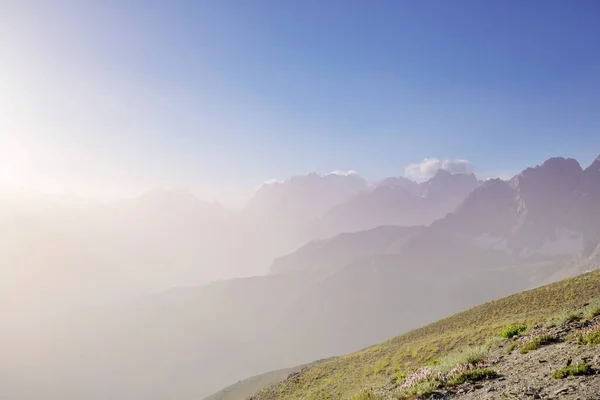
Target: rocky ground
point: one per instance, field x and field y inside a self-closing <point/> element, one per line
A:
<point x="529" y="376"/>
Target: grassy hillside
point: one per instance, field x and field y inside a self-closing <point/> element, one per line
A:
<point x="374" y="367"/>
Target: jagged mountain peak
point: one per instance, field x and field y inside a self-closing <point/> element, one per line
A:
<point x="553" y="168"/>
<point x="594" y="166"/>
<point x="549" y="209"/>
<point x="547" y="190"/>
<point x="561" y="162"/>
<point x="491" y="191"/>
<point x="399" y="181"/>
<point x="306" y="196"/>
<point x="442" y="174"/>
<point x="445" y="180"/>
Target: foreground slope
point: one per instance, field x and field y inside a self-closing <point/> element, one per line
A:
<point x="543" y="373"/>
<point x="374" y="367"/>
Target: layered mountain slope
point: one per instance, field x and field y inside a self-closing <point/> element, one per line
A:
<point x="540" y="213"/>
<point x="57" y="256"/>
<point x="585" y="208"/>
<point x="549" y="210"/>
<point x="188" y="343"/>
<point x="233" y="329"/>
<point x="302" y="198"/>
<point x="184" y="343"/>
<point x="63" y="253"/>
<point x="414" y="188"/>
<point x="395" y="201"/>
<point x="344" y="249"/>
<point x="588" y="260"/>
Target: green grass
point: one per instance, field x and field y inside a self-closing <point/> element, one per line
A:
<point x="573" y="370"/>
<point x="367" y="395"/>
<point x="564" y="318"/>
<point x="467" y="364"/>
<point x="472" y="376"/>
<point x="494" y="342"/>
<point x="381" y="366"/>
<point x="592" y="310"/>
<point x="513" y="331"/>
<point x="349" y="375"/>
<point x="469" y="355"/>
<point x="422" y="389"/>
<point x="537" y="342"/>
<point x="401" y="376"/>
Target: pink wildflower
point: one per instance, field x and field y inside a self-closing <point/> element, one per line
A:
<point x="429" y="374"/>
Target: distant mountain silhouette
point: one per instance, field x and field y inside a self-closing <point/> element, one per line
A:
<point x="305" y="197"/>
<point x="341" y="250"/>
<point x="398" y="201"/>
<point x="550" y="210"/>
<point x="326" y="298"/>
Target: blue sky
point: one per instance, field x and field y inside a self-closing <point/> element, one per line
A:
<point x="218" y="96"/>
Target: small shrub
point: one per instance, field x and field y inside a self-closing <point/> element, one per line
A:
<point x="425" y="380"/>
<point x="592" y="310"/>
<point x="424" y="374"/>
<point x="589" y="335"/>
<point x="535" y="341"/>
<point x="474" y="375"/>
<point x="420" y="389"/>
<point x="513" y="331"/>
<point x="573" y="370"/>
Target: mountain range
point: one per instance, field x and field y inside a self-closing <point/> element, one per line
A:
<point x="399" y="201"/>
<point x="361" y="256"/>
<point x="66" y="253"/>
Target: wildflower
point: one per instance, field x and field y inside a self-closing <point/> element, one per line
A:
<point x="428" y="373"/>
<point x="464" y="368"/>
<point x="421" y="375"/>
<point x="589" y="335"/>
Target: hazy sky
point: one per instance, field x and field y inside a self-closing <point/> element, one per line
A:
<point x="114" y="97"/>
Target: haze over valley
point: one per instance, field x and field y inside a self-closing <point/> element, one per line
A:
<point x="199" y="198"/>
<point x="147" y="279"/>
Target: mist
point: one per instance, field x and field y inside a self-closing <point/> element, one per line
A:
<point x="166" y="295"/>
<point x="195" y="193"/>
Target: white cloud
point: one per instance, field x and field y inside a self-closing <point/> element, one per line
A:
<point x="344" y="173"/>
<point x="427" y="168"/>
